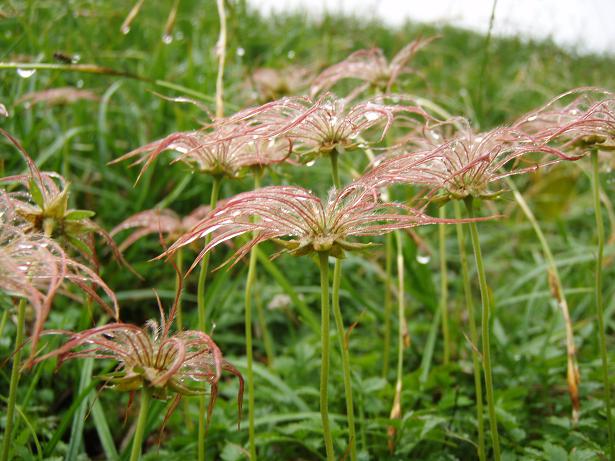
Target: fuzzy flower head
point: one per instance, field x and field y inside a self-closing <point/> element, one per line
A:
<point x="371" y="67"/>
<point x="159" y="221"/>
<point x="228" y="151"/>
<point x="579" y="119"/>
<point x="169" y="364"/>
<point x="36" y="268"/>
<point x="271" y="84"/>
<point x="468" y="164"/>
<point x="301" y="222"/>
<point x="42" y="207"/>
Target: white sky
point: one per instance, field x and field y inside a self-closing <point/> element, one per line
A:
<point x="586" y="26"/>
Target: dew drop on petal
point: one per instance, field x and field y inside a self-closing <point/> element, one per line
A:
<point x="310" y="163"/>
<point x="532" y="118"/>
<point x="371" y="116"/>
<point x="167" y="39"/>
<point x="423" y="259"/>
<point x="26" y="73"/>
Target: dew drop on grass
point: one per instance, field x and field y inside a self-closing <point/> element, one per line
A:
<point x="26" y="73"/>
<point x="310" y="163"/>
<point x="240" y="52"/>
<point x="125" y="30"/>
<point x="423" y="259"/>
<point x="167" y="39"/>
<point x="291" y="54"/>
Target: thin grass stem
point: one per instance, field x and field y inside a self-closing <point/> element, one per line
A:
<point x="388" y="303"/>
<point x="469" y="301"/>
<point x="324" y="367"/>
<point x="444" y="289"/>
<point x="487" y="312"/>
<point x="221" y="50"/>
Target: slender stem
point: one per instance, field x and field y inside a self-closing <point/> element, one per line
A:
<point x="396" y="410"/>
<point x="202" y="320"/>
<point x="179" y="262"/>
<point x="469" y="301"/>
<point x="221" y="49"/>
<point x="14" y="384"/>
<point x="599" y="302"/>
<point x="335" y="169"/>
<point x="557" y="291"/>
<point x="137" y="441"/>
<point x="248" y="332"/>
<point x="344" y="349"/>
<point x="388" y="303"/>
<point x="324" y="367"/>
<point x="444" y="289"/>
<point x="487" y="311"/>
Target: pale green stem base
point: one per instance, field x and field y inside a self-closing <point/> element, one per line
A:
<point x="137" y="441"/>
<point x="444" y="289"/>
<point x="599" y="302"/>
<point x="324" y="367"/>
<point x="487" y="311"/>
<point x="14" y="383"/>
<point x="344" y="349"/>
<point x="467" y="288"/>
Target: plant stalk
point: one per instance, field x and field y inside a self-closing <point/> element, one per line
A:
<point x="599" y="301"/>
<point x="324" y="367"/>
<point x="467" y="288"/>
<point x="221" y="50"/>
<point x="137" y="441"/>
<point x="249" y="348"/>
<point x="487" y="312"/>
<point x="444" y="289"/>
<point x="202" y="320"/>
<point x="14" y="383"/>
<point x="344" y="349"/>
<point x="388" y="303"/>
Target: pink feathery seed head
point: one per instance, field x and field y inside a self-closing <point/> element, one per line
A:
<point x="271" y="84"/>
<point x="42" y="207"/>
<point x="301" y="222"/>
<point x="158" y="221"/>
<point x="170" y="364"/>
<point x="57" y="96"/>
<point x="35" y="267"/>
<point x="467" y="164"/>
<point x="576" y="120"/>
<point x="371" y="67"/>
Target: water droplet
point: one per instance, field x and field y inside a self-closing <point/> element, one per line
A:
<point x="532" y="118"/>
<point x="179" y="35"/>
<point x="79" y="83"/>
<point x="76" y="58"/>
<point x="423" y="259"/>
<point x="167" y="39"/>
<point x="240" y="52"/>
<point x="26" y="73"/>
<point x="371" y="116"/>
<point x="291" y="54"/>
<point x="310" y="163"/>
<point x="125" y="30"/>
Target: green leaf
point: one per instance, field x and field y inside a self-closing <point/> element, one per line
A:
<point x="36" y="193"/>
<point x="77" y="215"/>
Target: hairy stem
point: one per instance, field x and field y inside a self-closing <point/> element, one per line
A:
<point x="14" y="383"/>
<point x="202" y="320"/>
<point x="487" y="311"/>
<point x="599" y="302"/>
<point x="344" y="349"/>
<point x="324" y="367"/>
<point x="248" y="332"/>
<point x="221" y="50"/>
<point x="557" y="290"/>
<point x="444" y="289"/>
<point x="469" y="301"/>
<point x="137" y="441"/>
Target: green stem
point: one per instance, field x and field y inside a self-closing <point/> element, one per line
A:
<point x="469" y="301"/>
<point x="344" y="349"/>
<point x="137" y="441"/>
<point x="248" y="333"/>
<point x="202" y="320"/>
<point x="388" y="303"/>
<point x="487" y="311"/>
<point x="335" y="169"/>
<point x="444" y="289"/>
<point x="14" y="384"/>
<point x="324" y="367"/>
<point x="599" y="302"/>
<point x="221" y="48"/>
